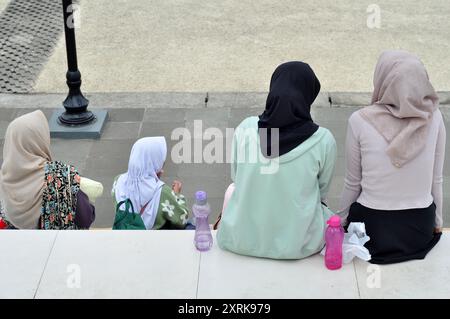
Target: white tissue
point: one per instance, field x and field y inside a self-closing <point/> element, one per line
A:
<point x="353" y="245"/>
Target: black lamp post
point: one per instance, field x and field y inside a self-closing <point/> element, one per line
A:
<point x="76" y="104"/>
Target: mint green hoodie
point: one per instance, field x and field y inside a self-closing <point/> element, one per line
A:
<point x="278" y="215"/>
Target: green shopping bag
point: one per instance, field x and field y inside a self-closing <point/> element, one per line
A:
<point x="127" y="219"/>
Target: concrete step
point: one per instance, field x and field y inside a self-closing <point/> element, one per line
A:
<point x="136" y="115"/>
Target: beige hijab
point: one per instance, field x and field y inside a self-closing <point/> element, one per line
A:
<point x="22" y="176"/>
<point x="403" y="103"/>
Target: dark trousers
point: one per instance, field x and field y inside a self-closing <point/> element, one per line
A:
<point x="397" y="235"/>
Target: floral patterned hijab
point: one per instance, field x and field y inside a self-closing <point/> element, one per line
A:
<point x="59" y="200"/>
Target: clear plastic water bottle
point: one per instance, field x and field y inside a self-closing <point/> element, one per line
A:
<point x="203" y="239"/>
<point x="334" y="237"/>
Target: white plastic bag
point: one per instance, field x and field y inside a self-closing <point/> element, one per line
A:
<point x="354" y="241"/>
<point x="353" y="245"/>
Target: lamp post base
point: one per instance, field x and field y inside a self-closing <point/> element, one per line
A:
<point x="72" y="119"/>
<point x="91" y="130"/>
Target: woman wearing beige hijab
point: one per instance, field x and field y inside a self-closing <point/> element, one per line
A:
<point x="35" y="191"/>
<point x="394" y="162"/>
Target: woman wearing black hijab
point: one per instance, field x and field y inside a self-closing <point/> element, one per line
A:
<point x="274" y="207"/>
<point x="293" y="89"/>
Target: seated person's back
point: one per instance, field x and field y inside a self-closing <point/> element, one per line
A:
<point x="159" y="205"/>
<point x="276" y="208"/>
<point x="395" y="156"/>
<point x="37" y="192"/>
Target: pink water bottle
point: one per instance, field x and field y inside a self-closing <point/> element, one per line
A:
<point x="334" y="237"/>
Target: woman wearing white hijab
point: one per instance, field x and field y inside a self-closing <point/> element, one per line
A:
<point x="159" y="205"/>
<point x="395" y="153"/>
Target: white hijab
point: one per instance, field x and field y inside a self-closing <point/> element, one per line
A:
<point x="140" y="183"/>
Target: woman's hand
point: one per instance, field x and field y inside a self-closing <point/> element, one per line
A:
<point x="176" y="186"/>
<point x="437" y="230"/>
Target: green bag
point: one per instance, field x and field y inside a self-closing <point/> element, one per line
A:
<point x="127" y="219"/>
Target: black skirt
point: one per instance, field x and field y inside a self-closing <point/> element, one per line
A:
<point x="397" y="235"/>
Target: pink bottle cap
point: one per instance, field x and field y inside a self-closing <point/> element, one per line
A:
<point x="334" y="221"/>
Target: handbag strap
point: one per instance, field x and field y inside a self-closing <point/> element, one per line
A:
<point x="127" y="203"/>
<point x="143" y="208"/>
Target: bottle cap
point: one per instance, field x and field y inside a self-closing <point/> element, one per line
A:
<point x="334" y="221"/>
<point x="201" y="197"/>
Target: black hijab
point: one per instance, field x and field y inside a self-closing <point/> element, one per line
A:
<point x="293" y="88"/>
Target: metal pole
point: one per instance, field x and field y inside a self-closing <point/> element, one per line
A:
<point x="75" y="103"/>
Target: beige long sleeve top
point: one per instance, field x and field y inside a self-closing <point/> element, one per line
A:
<point x="373" y="181"/>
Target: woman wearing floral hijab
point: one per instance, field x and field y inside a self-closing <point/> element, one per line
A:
<point x="395" y="152"/>
<point x="159" y="205"/>
<point x="37" y="192"/>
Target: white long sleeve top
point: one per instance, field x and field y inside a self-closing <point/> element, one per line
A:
<point x="373" y="181"/>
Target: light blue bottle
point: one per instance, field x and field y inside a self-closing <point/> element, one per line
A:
<point x="203" y="239"/>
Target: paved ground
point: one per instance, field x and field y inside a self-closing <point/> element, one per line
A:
<point x="146" y="114"/>
<point x="234" y="45"/>
<point x="29" y="30"/>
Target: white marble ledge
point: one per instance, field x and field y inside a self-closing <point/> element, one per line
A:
<point x="165" y="264"/>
